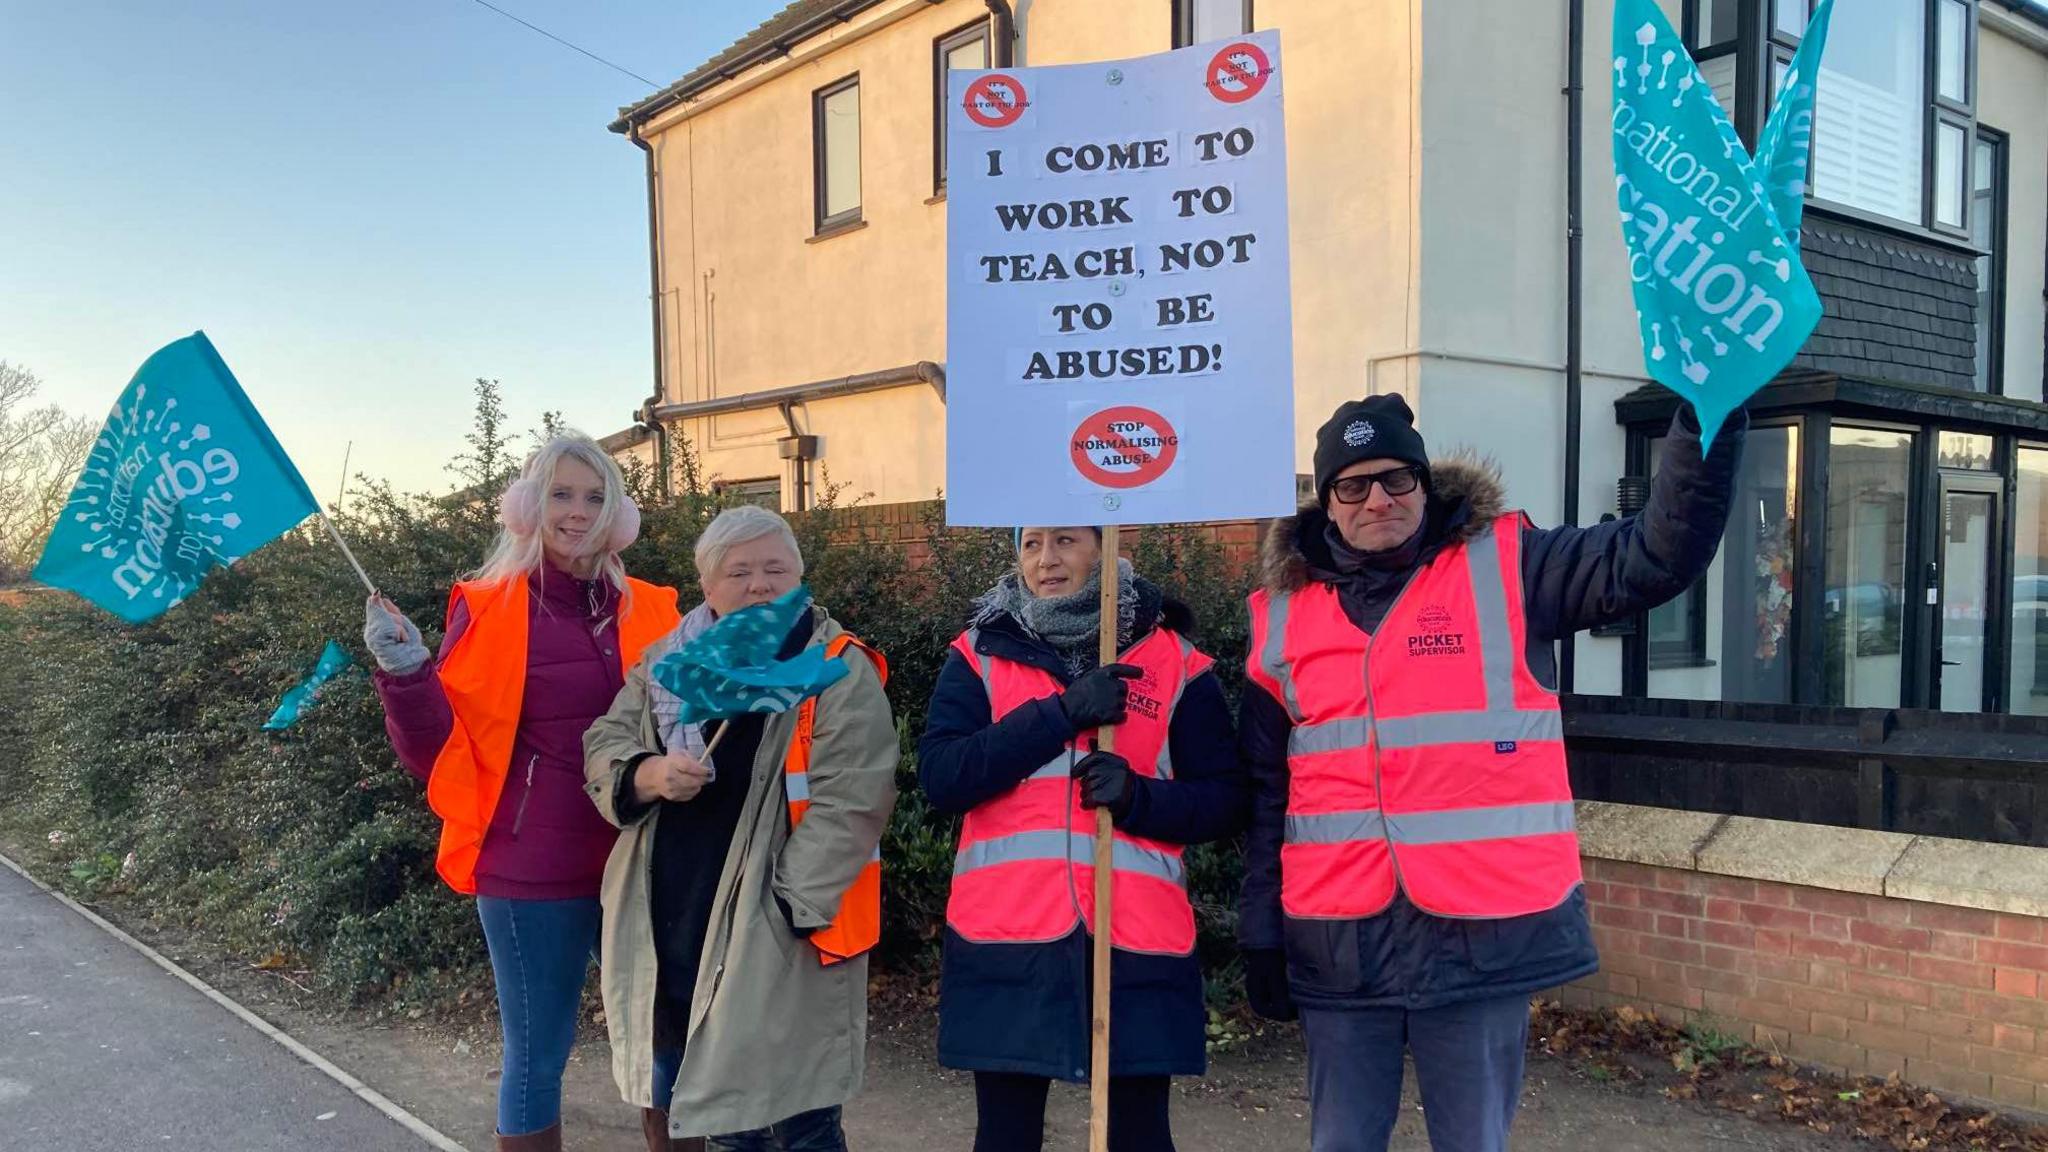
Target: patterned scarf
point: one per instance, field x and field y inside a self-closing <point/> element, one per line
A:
<point x="677" y="736"/>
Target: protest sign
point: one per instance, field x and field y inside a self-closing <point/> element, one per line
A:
<point x="1119" y="336"/>
<point x="185" y="477"/>
<point x="1722" y="301"/>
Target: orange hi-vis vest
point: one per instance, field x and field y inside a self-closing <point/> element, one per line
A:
<point x="858" y="926"/>
<point x="485" y="681"/>
<point x="1025" y="869"/>
<point x="1425" y="755"/>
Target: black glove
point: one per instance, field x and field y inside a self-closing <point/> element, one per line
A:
<point x="1265" y="983"/>
<point x="1097" y="698"/>
<point x="1106" y="782"/>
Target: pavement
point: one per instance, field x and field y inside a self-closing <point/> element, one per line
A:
<point x="101" y="1049"/>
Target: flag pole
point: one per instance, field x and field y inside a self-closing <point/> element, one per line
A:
<point x="342" y="496"/>
<point x="1105" y="855"/>
<point x="336" y="532"/>
<point x="343" y="545"/>
<point x="715" y="738"/>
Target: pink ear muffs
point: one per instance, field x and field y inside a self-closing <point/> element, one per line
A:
<point x="519" y="511"/>
<point x="626" y="525"/>
<point x="519" y="507"/>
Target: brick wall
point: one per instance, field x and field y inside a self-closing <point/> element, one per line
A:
<point x="1954" y="999"/>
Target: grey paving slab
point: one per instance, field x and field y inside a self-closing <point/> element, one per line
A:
<point x="101" y="1049"/>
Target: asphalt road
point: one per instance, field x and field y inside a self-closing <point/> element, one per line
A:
<point x="100" y="1049"/>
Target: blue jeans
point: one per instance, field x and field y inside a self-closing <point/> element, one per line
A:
<point x="1468" y="1063"/>
<point x="814" y="1131"/>
<point x="540" y="954"/>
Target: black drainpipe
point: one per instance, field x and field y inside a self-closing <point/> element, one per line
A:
<point x="1005" y="37"/>
<point x="1574" y="285"/>
<point x="646" y="415"/>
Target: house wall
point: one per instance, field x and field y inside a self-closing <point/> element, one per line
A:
<point x="2012" y="96"/>
<point x="1427" y="225"/>
<point x="751" y="300"/>
<point x="1491" y="333"/>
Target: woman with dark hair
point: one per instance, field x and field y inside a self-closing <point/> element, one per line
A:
<point x="1010" y="744"/>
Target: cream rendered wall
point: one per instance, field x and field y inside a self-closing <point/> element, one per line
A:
<point x="1074" y="31"/>
<point x="753" y="301"/>
<point x="2012" y="96"/>
<point x="1490" y="346"/>
<point x="1354" y="131"/>
<point x="748" y="303"/>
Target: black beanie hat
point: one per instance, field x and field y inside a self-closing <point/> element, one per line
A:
<point x="1375" y="428"/>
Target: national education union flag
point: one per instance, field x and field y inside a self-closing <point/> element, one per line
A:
<point x="334" y="660"/>
<point x="1786" y="143"/>
<point x="1722" y="301"/>
<point x="184" y="478"/>
<point x="731" y="669"/>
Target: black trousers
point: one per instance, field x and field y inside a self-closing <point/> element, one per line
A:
<point x="1010" y="1113"/>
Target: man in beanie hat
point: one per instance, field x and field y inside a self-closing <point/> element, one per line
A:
<point x="1412" y="874"/>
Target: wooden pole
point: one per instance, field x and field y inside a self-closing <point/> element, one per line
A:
<point x="343" y="545"/>
<point x="1105" y="849"/>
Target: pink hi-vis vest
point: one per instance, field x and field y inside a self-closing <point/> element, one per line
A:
<point x="1025" y="870"/>
<point x="1426" y="754"/>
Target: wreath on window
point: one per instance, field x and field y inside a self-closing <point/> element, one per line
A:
<point x="1773" y="584"/>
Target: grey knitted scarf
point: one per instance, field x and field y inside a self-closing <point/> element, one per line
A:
<point x="1071" y="624"/>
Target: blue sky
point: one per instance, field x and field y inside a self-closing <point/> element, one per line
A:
<point x="365" y="204"/>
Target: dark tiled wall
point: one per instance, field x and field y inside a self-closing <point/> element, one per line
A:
<point x="1897" y="309"/>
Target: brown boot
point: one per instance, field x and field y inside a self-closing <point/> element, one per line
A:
<point x="654" y="1126"/>
<point x="545" y="1140"/>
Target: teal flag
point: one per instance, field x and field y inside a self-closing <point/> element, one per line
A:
<point x="333" y="662"/>
<point x="1722" y="301"/>
<point x="731" y="668"/>
<point x="184" y="478"/>
<point x="1785" y="144"/>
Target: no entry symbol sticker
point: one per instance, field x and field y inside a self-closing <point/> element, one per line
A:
<point x="1125" y="447"/>
<point x="995" y="100"/>
<point x="1238" y="72"/>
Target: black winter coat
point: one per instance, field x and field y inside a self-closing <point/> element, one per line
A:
<point x="1024" y="1008"/>
<point x="1572" y="579"/>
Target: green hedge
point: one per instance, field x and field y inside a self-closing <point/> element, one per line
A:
<point x="133" y="759"/>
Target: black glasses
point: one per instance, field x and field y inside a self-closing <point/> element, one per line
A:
<point x="1396" y="482"/>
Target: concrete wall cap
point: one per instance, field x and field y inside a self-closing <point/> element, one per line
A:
<point x="1664" y="837"/>
<point x="1844" y="859"/>
<point x="2010" y="878"/>
<point x="1970" y="874"/>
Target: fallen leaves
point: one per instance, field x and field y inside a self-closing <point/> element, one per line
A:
<point x="1701" y="1064"/>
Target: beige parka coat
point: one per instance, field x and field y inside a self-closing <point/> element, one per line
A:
<point x="772" y="1031"/>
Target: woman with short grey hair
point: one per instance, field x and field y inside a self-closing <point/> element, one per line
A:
<point x="733" y="875"/>
<point x="741" y="525"/>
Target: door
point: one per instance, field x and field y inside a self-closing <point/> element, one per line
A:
<point x="1966" y="559"/>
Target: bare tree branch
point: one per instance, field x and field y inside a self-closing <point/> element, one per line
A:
<point x="41" y="452"/>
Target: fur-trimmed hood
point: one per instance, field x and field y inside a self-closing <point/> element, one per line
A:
<point x="1465" y="492"/>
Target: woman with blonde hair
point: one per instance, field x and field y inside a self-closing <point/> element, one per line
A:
<point x="538" y="641"/>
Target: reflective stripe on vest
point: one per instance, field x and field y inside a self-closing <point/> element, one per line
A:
<point x="1025" y="865"/>
<point x="858" y="925"/>
<point x="1071" y="847"/>
<point x="1061" y="766"/>
<point x="1420" y="764"/>
<point x="484" y="678"/>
